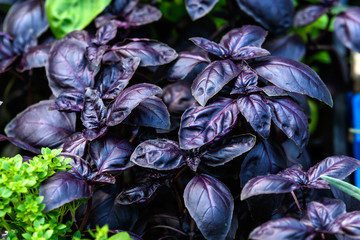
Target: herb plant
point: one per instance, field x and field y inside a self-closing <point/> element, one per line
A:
<point x="198" y="135"/>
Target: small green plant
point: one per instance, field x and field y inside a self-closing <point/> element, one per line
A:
<point x="102" y="234"/>
<point x="20" y="204"/>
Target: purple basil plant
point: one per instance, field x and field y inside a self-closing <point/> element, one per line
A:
<point x="202" y="138"/>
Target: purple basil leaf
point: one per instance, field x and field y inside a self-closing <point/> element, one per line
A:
<point x="283" y="228"/>
<point x="352" y="204"/>
<point x="143" y="14"/>
<point x="246" y="36"/>
<point x="212" y="79"/>
<point x="249" y="53"/>
<point x="318" y="216"/>
<point x="257" y="112"/>
<point x="309" y="15"/>
<point x="62" y="188"/>
<point x="94" y="133"/>
<point x="94" y="111"/>
<point x="100" y="179"/>
<point x="20" y="144"/>
<point x="210" y="204"/>
<point x="293" y="76"/>
<point x="70" y="101"/>
<point x="289" y="46"/>
<point x="7" y="53"/>
<point x="40" y="127"/>
<point x="185" y="63"/>
<point x="95" y="54"/>
<point x="247" y="80"/>
<point x="159" y="154"/>
<point x="105" y="210"/>
<point x="128" y="99"/>
<point x="105" y="33"/>
<point x="210" y="46"/>
<point x="349" y="224"/>
<point x="35" y="57"/>
<point x="263" y="159"/>
<point x="268" y="184"/>
<point x="80" y="35"/>
<point x="336" y="166"/>
<point x="111" y="154"/>
<point x="80" y="167"/>
<point x="75" y="144"/>
<point x="198" y="9"/>
<point x="151" y="112"/>
<point x="25" y="16"/>
<point x="275" y="15"/>
<point x="68" y="69"/>
<point x="201" y="125"/>
<point x="290" y="118"/>
<point x="347" y="28"/>
<point x="123" y="7"/>
<point x="216" y="156"/>
<point x="114" y="78"/>
<point x="274" y="91"/>
<point x="177" y="97"/>
<point x="335" y="207"/>
<point x="151" y="53"/>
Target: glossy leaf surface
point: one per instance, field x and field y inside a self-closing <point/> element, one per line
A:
<point x="35" y="57"/>
<point x="75" y="144"/>
<point x="111" y="154"/>
<point x="198" y="9"/>
<point x="160" y="154"/>
<point x="40" y="127"/>
<point x="142" y="14"/>
<point x="65" y="17"/>
<point x="201" y="125"/>
<point x="94" y="112"/>
<point x="275" y="15"/>
<point x="294" y="77"/>
<point x="343" y="186"/>
<point x="212" y="79"/>
<point x="70" y="101"/>
<point x="210" y="46"/>
<point x="106" y="33"/>
<point x="61" y="188"/>
<point x="309" y="15"/>
<point x="350" y="224"/>
<point x="347" y="28"/>
<point x="68" y="69"/>
<point x="210" y="204"/>
<point x="129" y="99"/>
<point x="288" y="46"/>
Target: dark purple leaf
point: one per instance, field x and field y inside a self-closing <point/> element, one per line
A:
<point x="75" y="144"/>
<point x="274" y="91"/>
<point x="246" y="36"/>
<point x="151" y="53"/>
<point x="257" y="112"/>
<point x="201" y="125"/>
<point x="193" y="162"/>
<point x="267" y="185"/>
<point x="40" y="127"/>
<point x="105" y="210"/>
<point x="177" y="97"/>
<point x="290" y="118"/>
<point x="263" y="159"/>
<point x="115" y="77"/>
<point x="160" y="154"/>
<point x="129" y="99"/>
<point x="210" y="46"/>
<point x="335" y="207"/>
<point x="284" y="228"/>
<point x="185" y="63"/>
<point x="210" y="204"/>
<point x="318" y="216"/>
<point x="288" y="46"/>
<point x="336" y="166"/>
<point x="143" y="14"/>
<point x="247" y="80"/>
<point x="70" y="101"/>
<point x="123" y="7"/>
<point x="100" y="179"/>
<point x="80" y="35"/>
<point x="80" y="167"/>
<point x="293" y="76"/>
<point x="35" y="57"/>
<point x="25" y="16"/>
<point x="249" y="53"/>
<point x="219" y="155"/>
<point x="309" y="15"/>
<point x="152" y="112"/>
<point x="111" y="154"/>
<point x="347" y="28"/>
<point x="62" y="188"/>
<point x="95" y="54"/>
<point x="212" y="79"/>
<point x="352" y="204"/>
<point x="349" y="224"/>
<point x="198" y="9"/>
<point x="94" y="133"/>
<point x="68" y="69"/>
<point x="7" y="53"/>
<point x="20" y="144"/>
<point x="106" y="33"/>
<point x="94" y="111"/>
<point x="275" y="15"/>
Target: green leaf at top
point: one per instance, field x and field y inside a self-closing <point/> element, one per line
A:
<point x="66" y="16"/>
<point x="343" y="186"/>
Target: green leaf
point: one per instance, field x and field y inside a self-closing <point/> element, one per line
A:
<point x="120" y="236"/>
<point x="48" y="234"/>
<point x="343" y="186"/>
<point x="6" y="166"/>
<point x="26" y="235"/>
<point x="5" y="192"/>
<point x="66" y="16"/>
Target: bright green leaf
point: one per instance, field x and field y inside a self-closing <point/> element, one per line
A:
<point x="120" y="236"/>
<point x="66" y="16"/>
<point x="343" y="186"/>
<point x="26" y="235"/>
